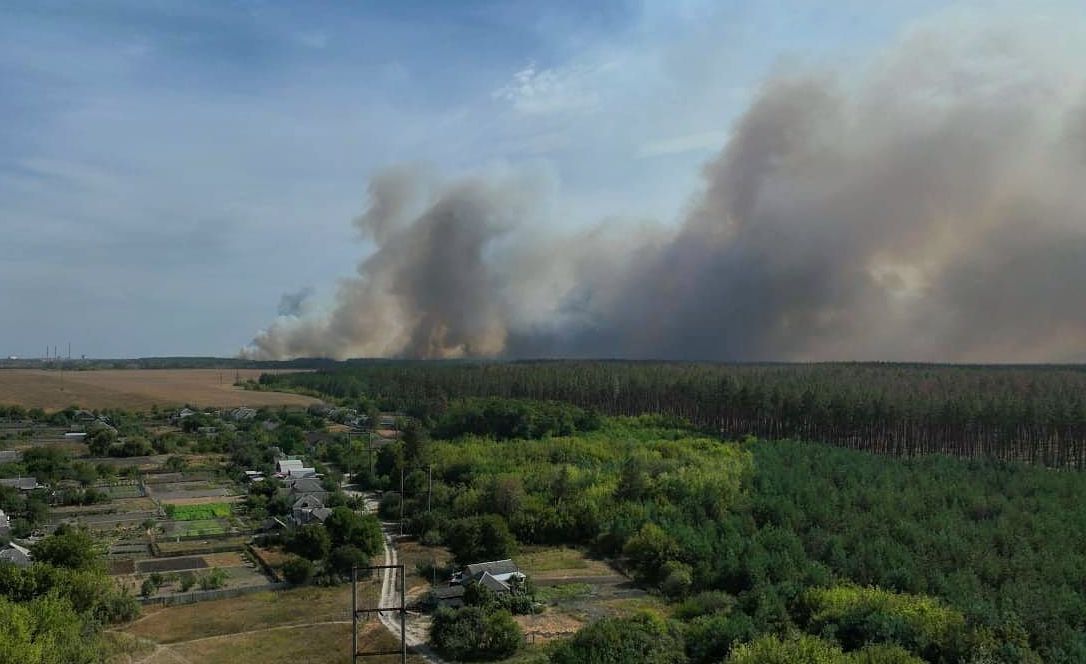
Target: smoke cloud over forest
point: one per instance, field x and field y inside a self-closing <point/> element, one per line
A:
<point x="929" y="208"/>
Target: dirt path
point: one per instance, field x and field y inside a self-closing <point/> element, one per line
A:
<point x="417" y="628"/>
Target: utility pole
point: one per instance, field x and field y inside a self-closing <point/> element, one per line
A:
<point x="401" y="501"/>
<point x="430" y="490"/>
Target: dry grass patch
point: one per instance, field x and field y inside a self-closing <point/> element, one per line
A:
<point x="306" y="644"/>
<point x="553" y="562"/>
<point x="250" y="612"/>
<point x="136" y="389"/>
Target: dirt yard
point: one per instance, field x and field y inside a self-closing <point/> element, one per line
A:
<point x="137" y="389"/>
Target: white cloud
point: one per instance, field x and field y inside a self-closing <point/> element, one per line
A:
<point x="557" y="90"/>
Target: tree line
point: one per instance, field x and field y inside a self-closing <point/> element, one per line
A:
<point x="1032" y="414"/>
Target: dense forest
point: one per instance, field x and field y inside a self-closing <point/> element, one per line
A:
<point x="1034" y="414"/>
<point x="771" y="551"/>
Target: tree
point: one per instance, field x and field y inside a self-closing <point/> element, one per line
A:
<point x="67" y="547"/>
<point x="347" y="527"/>
<point x="99" y="440"/>
<point x="311" y="541"/>
<point x="477" y="538"/>
<point x="345" y="557"/>
<point x="297" y="570"/>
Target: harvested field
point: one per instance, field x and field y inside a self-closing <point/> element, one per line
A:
<point x="171" y="564"/>
<point x="136" y="389"/>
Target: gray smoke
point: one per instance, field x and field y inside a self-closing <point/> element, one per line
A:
<point x="292" y="304"/>
<point x="932" y="209"/>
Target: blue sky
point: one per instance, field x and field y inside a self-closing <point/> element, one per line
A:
<point x="169" y="169"/>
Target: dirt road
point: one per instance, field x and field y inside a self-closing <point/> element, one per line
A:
<point x="417" y="629"/>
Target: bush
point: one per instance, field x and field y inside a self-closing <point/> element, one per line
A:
<point x="297" y="570"/>
<point x="856" y="616"/>
<point x="216" y="578"/>
<point x="645" y="638"/>
<point x="473" y="634"/>
<point x="148" y="588"/>
<point x="709" y="638"/>
<point x="802" y="649"/>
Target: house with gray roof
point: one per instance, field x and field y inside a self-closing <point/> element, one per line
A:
<point x="15" y="554"/>
<point x="309" y="509"/>
<point x="20" y="483"/>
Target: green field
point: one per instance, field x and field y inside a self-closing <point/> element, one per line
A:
<point x="197" y="512"/>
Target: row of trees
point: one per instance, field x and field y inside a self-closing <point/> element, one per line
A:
<point x="1032" y="414"/>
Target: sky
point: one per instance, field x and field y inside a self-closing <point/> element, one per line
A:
<point x="172" y="172"/>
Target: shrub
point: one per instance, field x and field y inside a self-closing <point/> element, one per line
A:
<point x="642" y="638"/>
<point x="474" y="634"/>
<point x="297" y="570"/>
<point x="856" y="616"/>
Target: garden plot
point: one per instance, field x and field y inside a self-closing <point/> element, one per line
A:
<point x="198" y="547"/>
<point x="171" y="564"/>
<point x="110" y="521"/>
<point x="124" y="549"/>
<point x="186" y="490"/>
<point x="115" y="491"/>
<point x="196" y="527"/>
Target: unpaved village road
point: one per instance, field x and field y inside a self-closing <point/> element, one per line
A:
<point x="417" y="629"/>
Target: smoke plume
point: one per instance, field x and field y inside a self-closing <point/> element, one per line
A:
<point x="930" y="209"/>
<point x="292" y="304"/>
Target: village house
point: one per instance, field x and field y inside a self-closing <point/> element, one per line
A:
<point x="306" y="486"/>
<point x="15" y="554"/>
<point x="309" y="509"/>
<point x="242" y="414"/>
<point x="498" y="576"/>
<point x="21" y="483"/>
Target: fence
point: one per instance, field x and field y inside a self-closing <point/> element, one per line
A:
<point x="208" y="595"/>
<point x="264" y="564"/>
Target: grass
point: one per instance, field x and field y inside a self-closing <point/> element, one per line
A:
<point x="198" y="512"/>
<point x="559" y="561"/>
<point x="292" y="645"/>
<point x="250" y="612"/>
<point x="564" y="593"/>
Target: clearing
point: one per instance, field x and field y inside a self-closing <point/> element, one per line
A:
<point x="137" y="389"/>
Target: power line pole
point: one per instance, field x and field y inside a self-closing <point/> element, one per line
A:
<point x="401" y="501"/>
